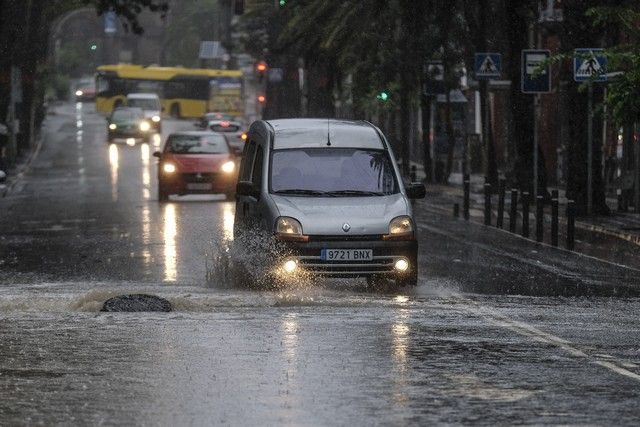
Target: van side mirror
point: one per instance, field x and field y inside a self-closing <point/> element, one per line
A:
<point x="246" y="188"/>
<point x="157" y="154"/>
<point x="416" y="190"/>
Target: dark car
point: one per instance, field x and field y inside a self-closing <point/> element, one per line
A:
<point x="129" y="124"/>
<point x="196" y="162"/>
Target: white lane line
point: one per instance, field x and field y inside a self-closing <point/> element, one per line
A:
<point x="536" y="334"/>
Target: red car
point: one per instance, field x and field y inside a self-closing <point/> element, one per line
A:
<point x="196" y="163"/>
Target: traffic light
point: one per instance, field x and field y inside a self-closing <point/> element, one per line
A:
<point x="383" y="96"/>
<point x="261" y="70"/>
<point x="262" y="99"/>
<point x="282" y="3"/>
<point x="93" y="46"/>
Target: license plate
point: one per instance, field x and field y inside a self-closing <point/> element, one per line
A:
<point x="346" y="255"/>
<point x="200" y="186"/>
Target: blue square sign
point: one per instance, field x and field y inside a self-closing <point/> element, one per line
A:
<point x="589" y="65"/>
<point x="488" y="66"/>
<point x="536" y="72"/>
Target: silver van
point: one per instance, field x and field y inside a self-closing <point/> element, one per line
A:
<point x="330" y="193"/>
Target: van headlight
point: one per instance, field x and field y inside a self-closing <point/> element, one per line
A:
<point x="155" y="119"/>
<point x="145" y="126"/>
<point x="290" y="229"/>
<point x="113" y="126"/>
<point x="400" y="228"/>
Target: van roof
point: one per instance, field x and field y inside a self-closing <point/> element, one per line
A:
<point x="143" y="95"/>
<point x="312" y="133"/>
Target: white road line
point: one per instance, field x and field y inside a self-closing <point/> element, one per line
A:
<point x="530" y="331"/>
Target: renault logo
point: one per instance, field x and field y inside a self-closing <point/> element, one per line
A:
<point x="346" y="227"/>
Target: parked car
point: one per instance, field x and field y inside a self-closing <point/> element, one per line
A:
<point x="128" y="123"/>
<point x="150" y="104"/>
<point x="330" y="192"/>
<point x="196" y="162"/>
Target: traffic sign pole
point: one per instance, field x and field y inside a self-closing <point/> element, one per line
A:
<point x="536" y="115"/>
<point x="590" y="153"/>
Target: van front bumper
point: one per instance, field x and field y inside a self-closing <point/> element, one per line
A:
<point x="386" y="254"/>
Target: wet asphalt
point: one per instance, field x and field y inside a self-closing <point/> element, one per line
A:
<point x="499" y="330"/>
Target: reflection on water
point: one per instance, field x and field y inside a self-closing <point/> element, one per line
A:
<point x="289" y="328"/>
<point x="227" y="222"/>
<point x="170" y="231"/>
<point x="146" y="171"/>
<point x="114" y="162"/>
<point x="80" y="145"/>
<point x="400" y="331"/>
<point x="146" y="237"/>
<point x="157" y="139"/>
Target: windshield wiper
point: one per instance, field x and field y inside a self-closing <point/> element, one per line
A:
<point x="355" y="193"/>
<point x="301" y="192"/>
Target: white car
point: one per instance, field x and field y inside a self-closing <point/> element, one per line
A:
<point x="150" y="104"/>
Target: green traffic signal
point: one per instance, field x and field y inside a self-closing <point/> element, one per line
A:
<point x="383" y="96"/>
<point x="282" y="3"/>
<point x="94" y="46"/>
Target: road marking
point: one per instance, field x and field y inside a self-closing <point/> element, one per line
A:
<point x="530" y="331"/>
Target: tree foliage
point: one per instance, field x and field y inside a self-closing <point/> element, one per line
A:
<point x="623" y="90"/>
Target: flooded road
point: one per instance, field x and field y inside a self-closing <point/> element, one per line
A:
<point x="499" y="330"/>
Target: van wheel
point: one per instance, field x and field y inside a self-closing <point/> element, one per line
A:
<point x="375" y="282"/>
<point x="175" y="111"/>
<point x="410" y="281"/>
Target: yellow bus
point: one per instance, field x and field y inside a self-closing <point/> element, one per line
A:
<point x="184" y="92"/>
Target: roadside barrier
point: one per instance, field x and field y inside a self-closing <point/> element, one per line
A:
<point x="525" y="200"/>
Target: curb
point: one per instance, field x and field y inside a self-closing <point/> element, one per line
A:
<point x="631" y="238"/>
<point x="440" y="210"/>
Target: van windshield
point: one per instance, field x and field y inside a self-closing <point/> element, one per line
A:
<point x="332" y="172"/>
<point x="146" y="104"/>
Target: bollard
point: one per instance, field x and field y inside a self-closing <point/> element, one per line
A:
<point x="571" y="224"/>
<point x="525" y="214"/>
<point x="487" y="202"/>
<point x="554" y="217"/>
<point x="539" y="219"/>
<point x="514" y="210"/>
<point x="621" y="207"/>
<point x="456" y="210"/>
<point x="467" y="190"/>
<point x="413" y="173"/>
<point x="501" y="190"/>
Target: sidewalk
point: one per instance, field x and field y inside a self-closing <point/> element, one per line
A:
<point x="614" y="238"/>
<point x="15" y="173"/>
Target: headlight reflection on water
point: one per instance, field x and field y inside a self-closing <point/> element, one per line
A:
<point x="114" y="161"/>
<point x="170" y="231"/>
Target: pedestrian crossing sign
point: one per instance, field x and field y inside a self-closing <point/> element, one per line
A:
<point x="589" y="65"/>
<point x="488" y="66"/>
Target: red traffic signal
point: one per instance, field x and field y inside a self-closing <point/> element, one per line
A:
<point x="261" y="67"/>
<point x="262" y="99"/>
